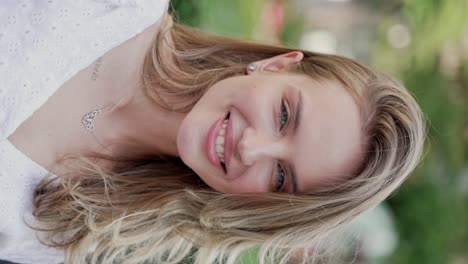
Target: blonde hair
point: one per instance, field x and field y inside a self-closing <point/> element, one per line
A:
<point x="157" y="209"/>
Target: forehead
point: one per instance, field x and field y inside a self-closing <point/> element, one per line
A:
<point x="328" y="144"/>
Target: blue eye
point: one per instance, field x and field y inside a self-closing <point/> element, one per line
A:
<point x="280" y="178"/>
<point x="284" y="115"/>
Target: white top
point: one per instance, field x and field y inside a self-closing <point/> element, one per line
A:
<point x="43" y="43"/>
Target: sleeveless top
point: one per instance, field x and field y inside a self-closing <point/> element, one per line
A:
<point x="43" y="43"/>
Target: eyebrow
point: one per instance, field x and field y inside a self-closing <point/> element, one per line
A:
<point x="297" y="120"/>
<point x="297" y="123"/>
<point x="294" y="179"/>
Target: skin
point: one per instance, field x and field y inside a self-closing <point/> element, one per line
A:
<point x="326" y="147"/>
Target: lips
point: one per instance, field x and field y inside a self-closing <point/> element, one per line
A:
<point x="228" y="143"/>
<point x="210" y="144"/>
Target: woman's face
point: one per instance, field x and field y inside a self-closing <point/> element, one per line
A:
<point x="284" y="132"/>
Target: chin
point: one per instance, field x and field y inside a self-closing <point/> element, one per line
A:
<point x="184" y="145"/>
<point x="190" y="145"/>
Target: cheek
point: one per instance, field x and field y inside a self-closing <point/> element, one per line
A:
<point x="253" y="180"/>
<point x="253" y="104"/>
<point x="250" y="92"/>
<point x="229" y="87"/>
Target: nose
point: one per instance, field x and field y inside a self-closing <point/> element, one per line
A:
<point x="255" y="146"/>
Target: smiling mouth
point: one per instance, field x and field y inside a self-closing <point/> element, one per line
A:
<point x="221" y="143"/>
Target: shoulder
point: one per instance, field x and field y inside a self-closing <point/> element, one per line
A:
<point x="45" y="42"/>
<point x="39" y="12"/>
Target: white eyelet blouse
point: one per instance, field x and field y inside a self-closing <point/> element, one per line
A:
<point x="43" y="43"/>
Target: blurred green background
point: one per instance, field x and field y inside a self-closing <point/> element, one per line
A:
<point x="422" y="42"/>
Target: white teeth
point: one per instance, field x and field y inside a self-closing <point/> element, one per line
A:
<point x="219" y="149"/>
<point x="221" y="132"/>
<point x="220" y="141"/>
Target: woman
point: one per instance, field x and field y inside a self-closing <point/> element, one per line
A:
<point x="195" y="141"/>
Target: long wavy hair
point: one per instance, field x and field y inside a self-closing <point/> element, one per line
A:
<point x="156" y="209"/>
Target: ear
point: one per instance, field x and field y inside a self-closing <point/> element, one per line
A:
<point x="278" y="62"/>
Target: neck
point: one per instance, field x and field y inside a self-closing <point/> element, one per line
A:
<point x="135" y="126"/>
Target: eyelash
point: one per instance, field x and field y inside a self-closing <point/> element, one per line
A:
<point x="280" y="170"/>
<point x="283" y="106"/>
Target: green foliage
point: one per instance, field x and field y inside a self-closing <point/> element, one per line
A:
<point x="186" y="11"/>
<point x="249" y="257"/>
<point x="431" y="210"/>
<point x="292" y="31"/>
<point x="234" y="18"/>
<point x="431" y="221"/>
<point x="433" y="23"/>
<point x="445" y="117"/>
